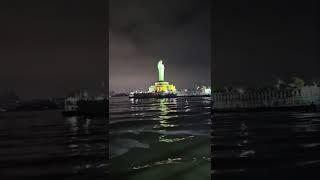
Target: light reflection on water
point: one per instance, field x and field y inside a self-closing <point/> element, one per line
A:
<point x="175" y="130"/>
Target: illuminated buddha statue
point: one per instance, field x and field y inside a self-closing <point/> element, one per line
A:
<point x="161" y="71"/>
<point x="162" y="86"/>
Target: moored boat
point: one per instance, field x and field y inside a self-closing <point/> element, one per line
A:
<point x="85" y="107"/>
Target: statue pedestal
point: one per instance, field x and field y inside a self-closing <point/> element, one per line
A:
<point x="162" y="87"/>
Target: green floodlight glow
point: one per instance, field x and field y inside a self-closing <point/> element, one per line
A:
<point x="161" y="70"/>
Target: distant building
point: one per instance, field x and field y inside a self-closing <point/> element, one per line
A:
<point x="8" y="96"/>
<point x="8" y="100"/>
<point x="204" y="90"/>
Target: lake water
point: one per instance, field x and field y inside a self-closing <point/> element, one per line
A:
<point x="160" y="139"/>
<point x="266" y="145"/>
<point x="45" y="145"/>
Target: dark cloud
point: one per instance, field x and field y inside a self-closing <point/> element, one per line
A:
<point x="142" y="32"/>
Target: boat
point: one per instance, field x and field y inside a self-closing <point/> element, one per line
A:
<point x="85" y="107"/>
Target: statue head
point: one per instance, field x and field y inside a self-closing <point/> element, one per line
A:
<point x="160" y="64"/>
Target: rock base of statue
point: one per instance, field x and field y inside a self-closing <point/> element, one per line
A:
<point x="144" y="95"/>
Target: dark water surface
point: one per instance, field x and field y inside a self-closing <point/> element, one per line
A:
<point x="266" y="145"/>
<point x="160" y="139"/>
<point x="45" y="145"/>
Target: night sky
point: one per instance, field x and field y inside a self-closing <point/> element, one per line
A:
<point x="144" y="31"/>
<point x="51" y="48"/>
<point x="256" y="42"/>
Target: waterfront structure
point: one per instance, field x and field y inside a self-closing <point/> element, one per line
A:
<point x="162" y="86"/>
<point x="304" y="96"/>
